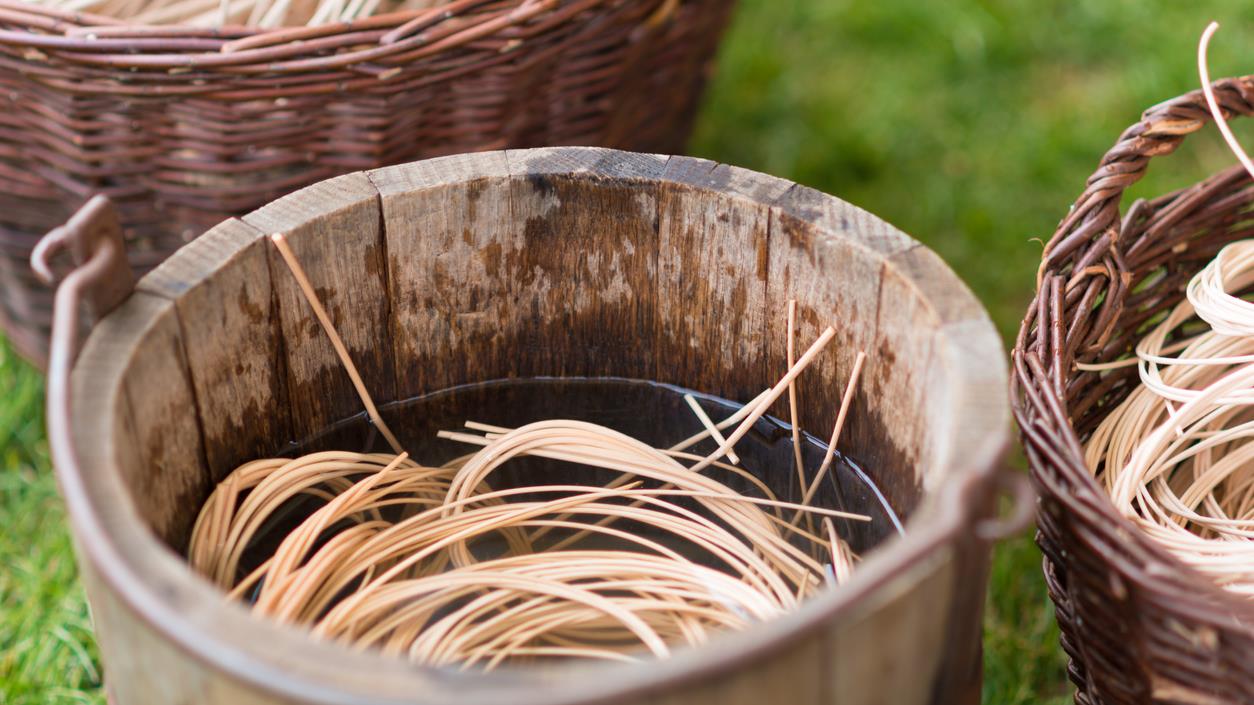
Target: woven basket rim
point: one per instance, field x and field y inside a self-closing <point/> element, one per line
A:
<point x="180" y="149"/>
<point x="390" y="39"/>
<point x="1094" y="215"/>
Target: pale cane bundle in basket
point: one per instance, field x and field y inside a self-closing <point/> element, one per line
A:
<point x="183" y="126"/>
<point x="1138" y="624"/>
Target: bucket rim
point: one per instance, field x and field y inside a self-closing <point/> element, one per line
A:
<point x="157" y="587"/>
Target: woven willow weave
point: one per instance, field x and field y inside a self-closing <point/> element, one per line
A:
<point x="183" y="127"/>
<point x="1138" y="625"/>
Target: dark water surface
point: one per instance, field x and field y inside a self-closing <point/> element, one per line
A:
<point x="651" y="412"/>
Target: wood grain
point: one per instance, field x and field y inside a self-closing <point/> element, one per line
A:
<point x="908" y="304"/>
<point x="161" y="458"/>
<point x="830" y="255"/>
<point x="221" y="287"/>
<point x="713" y="267"/>
<point x="798" y="673"/>
<point x="450" y="242"/>
<point x="909" y="635"/>
<point x="334" y="229"/>
<point x="584" y="274"/>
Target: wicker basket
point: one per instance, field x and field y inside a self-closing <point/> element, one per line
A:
<point x="183" y="127"/>
<point x="1138" y="625"/>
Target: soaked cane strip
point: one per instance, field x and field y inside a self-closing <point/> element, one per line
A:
<point x="766" y="400"/>
<point x="842" y="557"/>
<point x="792" y="395"/>
<point x="845" y="402"/>
<point x="763" y="404"/>
<point x="793" y="416"/>
<point x="710" y="428"/>
<point x="298" y="272"/>
<point x="726" y="423"/>
<point x="1209" y="91"/>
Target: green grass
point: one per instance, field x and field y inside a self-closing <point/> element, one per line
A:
<point x="46" y="650"/>
<point x="970" y="125"/>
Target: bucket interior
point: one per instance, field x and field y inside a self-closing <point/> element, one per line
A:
<point x="621" y="266"/>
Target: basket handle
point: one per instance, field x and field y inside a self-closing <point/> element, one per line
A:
<point x="102" y="277"/>
<point x="1161" y="130"/>
<point x="1092" y="238"/>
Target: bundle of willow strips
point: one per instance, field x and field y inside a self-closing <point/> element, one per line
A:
<point x="1177" y="456"/>
<point x="435" y="565"/>
<point x="250" y="13"/>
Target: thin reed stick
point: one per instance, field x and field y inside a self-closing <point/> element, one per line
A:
<point x="711" y="428"/>
<point x="793" y="419"/>
<point x="845" y="402"/>
<point x="280" y="242"/>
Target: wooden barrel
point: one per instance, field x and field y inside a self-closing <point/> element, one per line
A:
<point x="570" y="262"/>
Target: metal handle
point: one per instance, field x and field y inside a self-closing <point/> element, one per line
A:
<point x="102" y="278"/>
<point x="993" y="505"/>
<point x="1014" y="486"/>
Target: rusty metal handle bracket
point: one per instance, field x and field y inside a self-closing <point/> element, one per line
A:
<point x="1014" y="486"/>
<point x="102" y="277"/>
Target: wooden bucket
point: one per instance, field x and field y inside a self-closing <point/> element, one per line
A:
<point x="568" y="261"/>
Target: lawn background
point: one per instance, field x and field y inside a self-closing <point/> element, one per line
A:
<point x="970" y="125"/>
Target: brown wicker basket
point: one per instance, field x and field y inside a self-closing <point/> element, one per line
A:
<point x="1138" y="625"/>
<point x="183" y="127"/>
